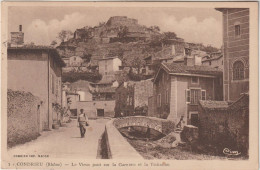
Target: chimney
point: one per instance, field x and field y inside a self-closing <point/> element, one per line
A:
<point x="189" y="60"/>
<point x="17" y="38"/>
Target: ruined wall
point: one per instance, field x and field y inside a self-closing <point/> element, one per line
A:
<point x="23" y="117"/>
<point x="142" y="91"/>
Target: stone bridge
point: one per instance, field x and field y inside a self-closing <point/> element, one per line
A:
<point x="162" y="125"/>
<point x="117" y="146"/>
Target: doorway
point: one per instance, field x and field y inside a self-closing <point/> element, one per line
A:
<point x="100" y="112"/>
<point x="194" y="119"/>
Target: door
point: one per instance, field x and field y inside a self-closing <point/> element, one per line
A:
<point x="194" y="119"/>
<point x="100" y="112"/>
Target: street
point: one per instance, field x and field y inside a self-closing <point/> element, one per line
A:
<point x="65" y="142"/>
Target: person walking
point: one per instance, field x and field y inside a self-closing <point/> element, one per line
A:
<point x="82" y="119"/>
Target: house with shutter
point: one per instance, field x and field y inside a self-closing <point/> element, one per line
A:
<point x="177" y="88"/>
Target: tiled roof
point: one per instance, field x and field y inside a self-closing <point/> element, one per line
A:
<point x="214" y="105"/>
<point x="182" y="68"/>
<point x="212" y="58"/>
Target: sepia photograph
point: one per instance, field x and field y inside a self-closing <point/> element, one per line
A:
<point x="129" y="81"/>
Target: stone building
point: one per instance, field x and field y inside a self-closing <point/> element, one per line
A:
<point x="37" y="70"/>
<point x="109" y="65"/>
<point x="236" y="52"/>
<point x="177" y="88"/>
<point x="132" y="95"/>
<point x="214" y="60"/>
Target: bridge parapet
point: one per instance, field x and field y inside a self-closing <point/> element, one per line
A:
<point x="118" y="147"/>
<point x="162" y="125"/>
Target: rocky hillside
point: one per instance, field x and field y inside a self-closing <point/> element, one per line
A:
<point x="119" y="36"/>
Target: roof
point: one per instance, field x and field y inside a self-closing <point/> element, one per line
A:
<point x="243" y="101"/>
<point x="106" y="79"/>
<point x="104" y="90"/>
<point x="182" y="68"/>
<point x="80" y="84"/>
<point x="212" y="58"/>
<point x="214" y="105"/>
<point x="52" y="51"/>
<point x="108" y="58"/>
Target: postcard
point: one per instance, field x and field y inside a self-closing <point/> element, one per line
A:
<point x="129" y="85"/>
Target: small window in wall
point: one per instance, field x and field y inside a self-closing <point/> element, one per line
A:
<point x="203" y="94"/>
<point x="222" y="62"/>
<point x="194" y="80"/>
<point x="210" y="63"/>
<point x="237" y="30"/>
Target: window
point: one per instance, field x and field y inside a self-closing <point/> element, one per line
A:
<point x="194" y="80"/>
<point x="74" y="58"/>
<point x="222" y="62"/>
<point x="167" y="96"/>
<point x="238" y="70"/>
<point x="130" y="101"/>
<point x="159" y="100"/>
<point x="203" y="94"/>
<point x="193" y="95"/>
<point x="237" y="30"/>
<point x="210" y="63"/>
<point x="57" y="82"/>
<point x="188" y="95"/>
<point x="52" y="82"/>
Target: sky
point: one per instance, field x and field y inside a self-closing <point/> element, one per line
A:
<point x="41" y="25"/>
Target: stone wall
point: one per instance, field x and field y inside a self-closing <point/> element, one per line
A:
<point x="142" y="91"/>
<point x="22" y="117"/>
<point x="227" y="128"/>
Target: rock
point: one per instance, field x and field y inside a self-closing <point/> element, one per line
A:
<point x="189" y="134"/>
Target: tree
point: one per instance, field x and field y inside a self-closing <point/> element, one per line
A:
<point x="169" y="35"/>
<point x="122" y="32"/>
<point x="138" y="63"/>
<point x="155" y="28"/>
<point x="53" y="43"/>
<point x="101" y="24"/>
<point x="65" y="35"/>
